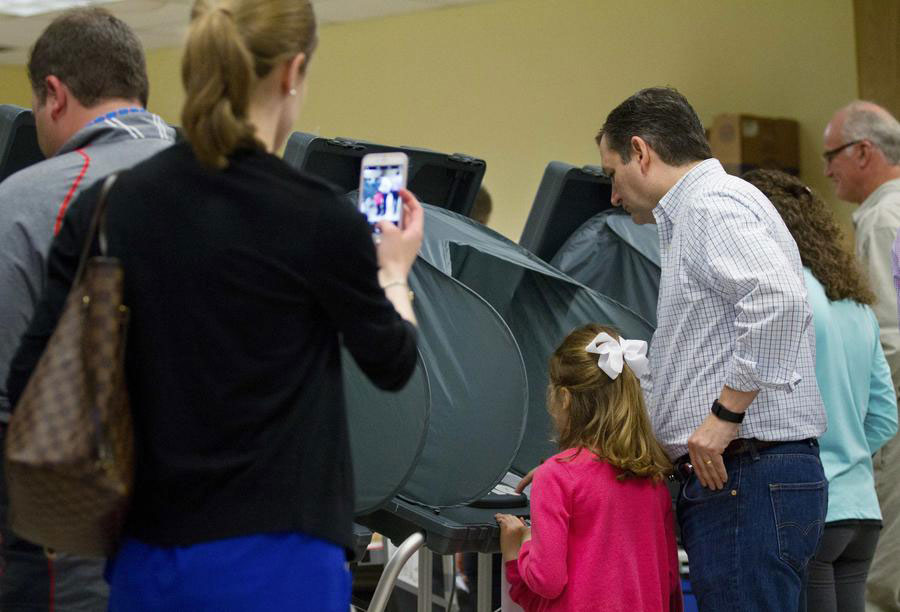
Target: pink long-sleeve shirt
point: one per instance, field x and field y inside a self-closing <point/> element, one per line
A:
<point x="597" y="543"/>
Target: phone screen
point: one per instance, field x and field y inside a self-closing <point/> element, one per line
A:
<point x="379" y="198"/>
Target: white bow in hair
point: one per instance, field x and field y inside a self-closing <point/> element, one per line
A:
<point x="614" y="354"/>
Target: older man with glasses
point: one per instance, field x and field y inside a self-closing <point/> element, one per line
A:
<point x="862" y="157"/>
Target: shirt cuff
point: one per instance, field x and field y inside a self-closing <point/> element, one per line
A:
<point x="746" y="375"/>
<point x="512" y="572"/>
<point x="512" y="567"/>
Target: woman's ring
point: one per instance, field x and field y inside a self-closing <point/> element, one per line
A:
<point x="708" y="461"/>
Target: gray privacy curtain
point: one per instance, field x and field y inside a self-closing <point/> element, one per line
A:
<point x="387" y="432"/>
<point x="540" y="304"/>
<point x="451" y="434"/>
<point x="479" y="392"/>
<point x="611" y="254"/>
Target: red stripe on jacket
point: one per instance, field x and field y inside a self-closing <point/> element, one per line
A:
<point x="51" y="570"/>
<point x="65" y="204"/>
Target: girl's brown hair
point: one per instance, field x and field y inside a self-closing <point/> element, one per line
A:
<point x="594" y="412"/>
<point x="230" y="45"/>
<point x="817" y="235"/>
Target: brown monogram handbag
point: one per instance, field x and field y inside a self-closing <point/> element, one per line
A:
<point x="70" y="443"/>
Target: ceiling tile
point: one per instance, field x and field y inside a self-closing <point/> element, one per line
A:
<point x="162" y="23"/>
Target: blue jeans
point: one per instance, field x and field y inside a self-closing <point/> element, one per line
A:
<point x="749" y="543"/>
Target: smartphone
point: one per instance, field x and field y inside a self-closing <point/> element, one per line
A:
<point x="382" y="177"/>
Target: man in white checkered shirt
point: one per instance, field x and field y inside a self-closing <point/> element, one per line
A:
<point x="732" y="390"/>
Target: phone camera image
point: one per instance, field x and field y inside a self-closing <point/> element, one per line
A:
<point x="380" y="194"/>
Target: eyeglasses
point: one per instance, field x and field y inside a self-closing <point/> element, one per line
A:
<point x="830" y="154"/>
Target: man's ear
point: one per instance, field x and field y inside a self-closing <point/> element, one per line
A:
<point x="865" y="153"/>
<point x="57" y="96"/>
<point x="640" y="151"/>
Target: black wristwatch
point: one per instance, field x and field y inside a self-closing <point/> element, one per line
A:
<point x="725" y="414"/>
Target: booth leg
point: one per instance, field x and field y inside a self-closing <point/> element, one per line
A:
<point x="392" y="570"/>
<point x="426" y="565"/>
<point x="483" y="602"/>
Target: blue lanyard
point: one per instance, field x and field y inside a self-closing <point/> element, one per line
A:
<point x="118" y="113"/>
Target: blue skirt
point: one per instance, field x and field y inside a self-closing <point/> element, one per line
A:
<point x="291" y="572"/>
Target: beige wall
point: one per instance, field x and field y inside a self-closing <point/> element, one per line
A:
<point x="14" y="87"/>
<point x="524" y="82"/>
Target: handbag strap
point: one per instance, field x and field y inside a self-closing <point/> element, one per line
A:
<point x="97" y="220"/>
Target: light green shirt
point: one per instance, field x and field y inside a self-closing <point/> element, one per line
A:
<point x="855" y="384"/>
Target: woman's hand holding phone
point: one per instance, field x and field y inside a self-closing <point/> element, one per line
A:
<point x="397" y="249"/>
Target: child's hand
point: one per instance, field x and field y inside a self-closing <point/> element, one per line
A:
<point x="526" y="480"/>
<point x="513" y="531"/>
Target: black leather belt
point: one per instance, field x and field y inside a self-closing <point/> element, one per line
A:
<point x="745" y="445"/>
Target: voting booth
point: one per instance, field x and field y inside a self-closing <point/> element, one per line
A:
<point x="450" y="181"/>
<point x="573" y="225"/>
<point x="18" y="140"/>
<point x="539" y="306"/>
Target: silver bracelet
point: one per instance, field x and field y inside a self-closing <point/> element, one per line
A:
<point x="393" y="283"/>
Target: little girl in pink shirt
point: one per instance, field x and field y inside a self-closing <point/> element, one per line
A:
<point x="602" y="534"/>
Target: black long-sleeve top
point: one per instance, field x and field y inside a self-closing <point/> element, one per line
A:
<point x="239" y="284"/>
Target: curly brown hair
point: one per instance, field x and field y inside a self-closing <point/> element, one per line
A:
<point x="817" y="235"/>
<point x="594" y="412"/>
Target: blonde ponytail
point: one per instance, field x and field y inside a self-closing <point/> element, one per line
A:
<point x="229" y="48"/>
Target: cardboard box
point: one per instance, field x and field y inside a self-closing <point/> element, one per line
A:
<point x="747" y="142"/>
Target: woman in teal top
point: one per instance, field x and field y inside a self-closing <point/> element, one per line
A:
<point x="855" y="383"/>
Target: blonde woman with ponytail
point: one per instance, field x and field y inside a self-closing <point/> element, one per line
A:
<point x="602" y="532"/>
<point x="243" y="278"/>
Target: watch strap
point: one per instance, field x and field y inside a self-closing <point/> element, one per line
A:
<point x="725" y="414"/>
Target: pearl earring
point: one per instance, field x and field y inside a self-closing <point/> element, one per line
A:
<point x="293" y="91"/>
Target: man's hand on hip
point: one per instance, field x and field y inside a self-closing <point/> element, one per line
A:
<point x="705" y="447"/>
